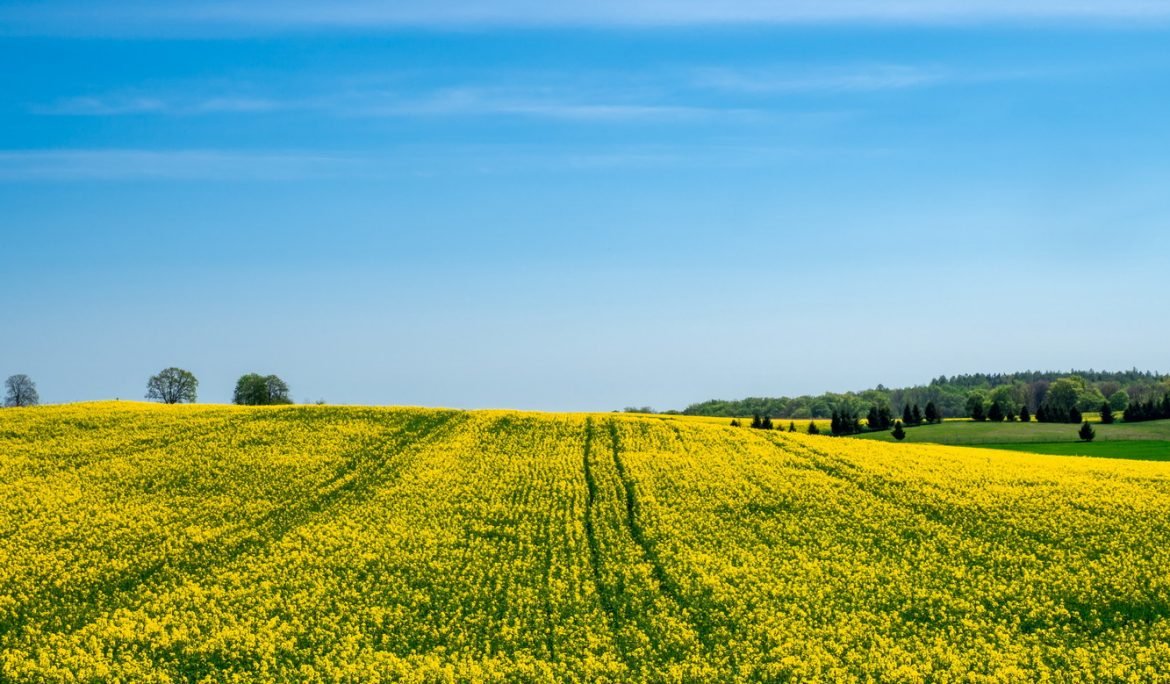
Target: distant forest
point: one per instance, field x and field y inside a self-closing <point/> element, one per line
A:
<point x="950" y="395"/>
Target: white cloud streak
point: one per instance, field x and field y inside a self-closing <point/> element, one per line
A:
<point x="216" y="16"/>
<point x="845" y="79"/>
<point x="123" y="105"/>
<point x="133" y="164"/>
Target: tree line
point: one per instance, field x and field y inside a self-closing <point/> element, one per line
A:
<point x="765" y="423"/>
<point x="170" y="386"/>
<point x="176" y="386"/>
<point x="950" y="395"/>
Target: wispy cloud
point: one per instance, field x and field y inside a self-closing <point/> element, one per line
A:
<point x="475" y="101"/>
<point x="844" y="78"/>
<point x="212" y="16"/>
<point x="567" y="104"/>
<point x="128" y="164"/>
<point x="127" y="105"/>
<point x="140" y="165"/>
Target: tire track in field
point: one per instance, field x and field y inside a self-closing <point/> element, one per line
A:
<point x="354" y="482"/>
<point x="704" y="622"/>
<point x="624" y="609"/>
<point x="604" y="595"/>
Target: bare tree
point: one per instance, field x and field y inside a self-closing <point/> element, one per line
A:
<point x="172" y="386"/>
<point x="22" y="391"/>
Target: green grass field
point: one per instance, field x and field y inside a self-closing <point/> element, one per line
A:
<point x="970" y="433"/>
<point x="1143" y="450"/>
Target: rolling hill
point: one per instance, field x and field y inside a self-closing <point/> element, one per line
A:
<point x="210" y="543"/>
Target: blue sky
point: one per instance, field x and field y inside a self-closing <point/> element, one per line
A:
<point x="579" y="206"/>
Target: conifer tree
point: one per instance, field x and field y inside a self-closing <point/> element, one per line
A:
<point x="1025" y="416"/>
<point x="812" y="428"/>
<point x="792" y="426"/>
<point x="1087" y="433"/>
<point x="756" y="422"/>
<point x="1106" y="414"/>
<point x="916" y="415"/>
<point x="995" y="415"/>
<point x="767" y="424"/>
<point x="1074" y="415"/>
<point x="932" y="412"/>
<point x="898" y="433"/>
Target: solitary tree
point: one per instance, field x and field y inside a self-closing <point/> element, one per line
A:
<point x="812" y="428"/>
<point x="792" y="426"/>
<point x="21" y="391"/>
<point x="734" y="422"/>
<point x="1106" y="413"/>
<point x="1087" y="433"/>
<point x="254" y="389"/>
<point x="898" y="433"/>
<point x="172" y="386"/>
<point x="767" y="424"/>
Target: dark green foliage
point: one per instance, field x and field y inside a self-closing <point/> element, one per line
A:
<point x="907" y="415"/>
<point x="949" y="395"/>
<point x="845" y="422"/>
<point x="735" y="422"/>
<point x="898" y="433"/>
<point x="756" y="422"/>
<point x="172" y="386"/>
<point x="1148" y="410"/>
<point x="767" y="423"/>
<point x="977" y="413"/>
<point x="932" y="414"/>
<point x="879" y="418"/>
<point x="1087" y="433"/>
<point x="1074" y="415"/>
<point x="995" y="415"/>
<point x="1025" y="416"/>
<point x="812" y="428"/>
<point x="1106" y="413"/>
<point x="792" y="426"/>
<point x="254" y="389"/>
<point x="916" y="415"/>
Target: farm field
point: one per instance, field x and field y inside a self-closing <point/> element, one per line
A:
<point x="968" y="432"/>
<point x="316" y="543"/>
<point x="1143" y="450"/>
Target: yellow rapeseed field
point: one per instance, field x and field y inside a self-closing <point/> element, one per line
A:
<point x="147" y="543"/>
